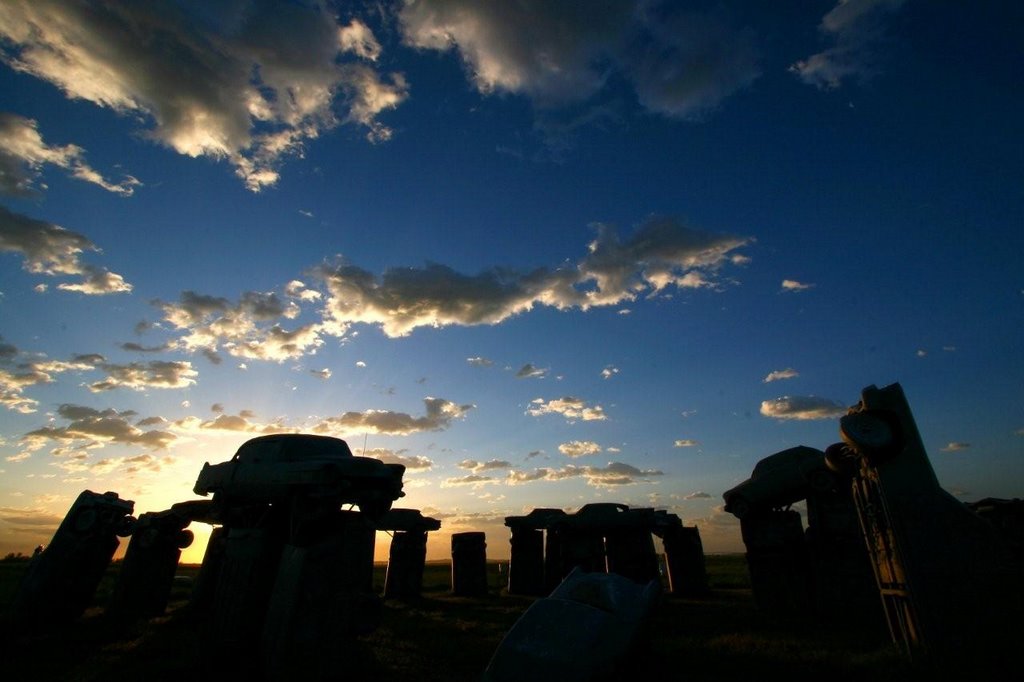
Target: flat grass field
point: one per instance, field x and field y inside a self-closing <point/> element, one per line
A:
<point x="720" y="636"/>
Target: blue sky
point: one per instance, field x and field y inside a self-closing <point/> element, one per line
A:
<point x="543" y="253"/>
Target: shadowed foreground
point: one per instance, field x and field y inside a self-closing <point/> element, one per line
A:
<point x="441" y="637"/>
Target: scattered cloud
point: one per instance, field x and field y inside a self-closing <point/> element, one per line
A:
<point x="23" y="154"/>
<point x="91" y="428"/>
<point x="854" y="27"/>
<point x="439" y="415"/>
<point x="475" y="480"/>
<point x="954" y="446"/>
<point x="661" y="253"/>
<point x="324" y="373"/>
<point x="679" y="62"/>
<point x="802" y="408"/>
<point x="609" y="371"/>
<point x="579" y="448"/>
<point x="249" y="83"/>
<point x="614" y="474"/>
<point x="699" y="495"/>
<point x="780" y="374"/>
<point x="141" y="376"/>
<point x="15" y="380"/>
<point x="480" y="362"/>
<point x="686" y="443"/>
<point x="793" y="285"/>
<point x="530" y="371"/>
<point x="569" y="407"/>
<point x="248" y="328"/>
<point x="410" y="462"/>
<point x="490" y="465"/>
<point x="49" y="249"/>
<point x="921" y="353"/>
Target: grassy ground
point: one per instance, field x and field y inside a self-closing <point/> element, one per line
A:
<point x="721" y="636"/>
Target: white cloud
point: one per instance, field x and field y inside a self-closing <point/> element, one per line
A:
<point x="802" y="408"/>
<point x="90" y="428"/>
<point x="490" y="465"/>
<point x="249" y="82"/>
<point x="686" y="443"/>
<point x="612" y="475"/>
<point x="793" y="285"/>
<point x="609" y="371"/>
<point x="141" y="376"/>
<point x="579" y="448"/>
<point x="570" y="407"/>
<point x="955" y="446"/>
<point x="531" y="371"/>
<point x="23" y="154"/>
<point x="660" y="253"/>
<point x="410" y="462"/>
<point x="679" y="62"/>
<point x="49" y="249"/>
<point x="855" y="26"/>
<point x="779" y="374"/>
<point x="439" y="415"/>
<point x="700" y="495"/>
<point x="480" y="362"/>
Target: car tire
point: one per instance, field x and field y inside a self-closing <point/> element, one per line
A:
<point x="842" y="459"/>
<point x="184" y="539"/>
<point x="871" y="433"/>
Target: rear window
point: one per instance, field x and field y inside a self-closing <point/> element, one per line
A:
<point x="259" y="451"/>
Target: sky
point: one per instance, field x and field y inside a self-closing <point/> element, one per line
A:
<point x="542" y="253"/>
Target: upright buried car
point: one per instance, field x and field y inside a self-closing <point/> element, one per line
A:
<point x="780" y="480"/>
<point x="290" y="466"/>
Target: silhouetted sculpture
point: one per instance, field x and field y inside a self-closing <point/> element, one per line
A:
<point x="147" y="573"/>
<point x="607" y="537"/>
<point x="947" y="577"/>
<point x="469" y="564"/>
<point x="583" y="631"/>
<point x="61" y="579"/>
<point x="408" y="553"/>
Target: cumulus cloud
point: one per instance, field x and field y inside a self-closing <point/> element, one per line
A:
<point x="250" y="82"/>
<point x="802" y="408"/>
<point x="531" y="371"/>
<point x="779" y="374"/>
<point x="490" y="465"/>
<point x="249" y="328"/>
<point x="475" y="480"/>
<point x="15" y="380"/>
<point x="90" y="428"/>
<point x="854" y="27"/>
<point x="614" y="474"/>
<point x="686" y="443"/>
<point x="569" y="407"/>
<point x="793" y="285"/>
<point x="699" y="495"/>
<point x="49" y="249"/>
<point x="955" y="446"/>
<point x="679" y="62"/>
<point x="609" y="371"/>
<point x="140" y="376"/>
<point x="23" y="153"/>
<point x="410" y="462"/>
<point x="660" y="253"/>
<point x="440" y="413"/>
<point x="480" y="362"/>
<point x="579" y="448"/>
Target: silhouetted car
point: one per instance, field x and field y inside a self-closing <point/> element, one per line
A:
<point x="61" y="579"/>
<point x="288" y="466"/>
<point x="780" y="480"/>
